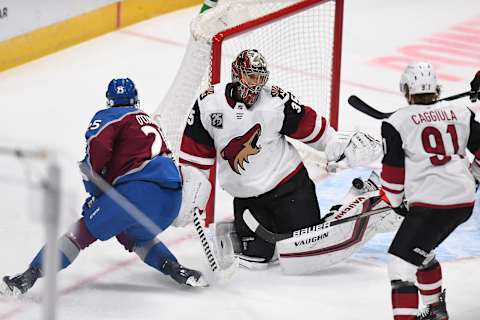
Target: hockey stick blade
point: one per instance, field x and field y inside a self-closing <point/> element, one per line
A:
<point x="273" y="237"/>
<point x="364" y="107"/>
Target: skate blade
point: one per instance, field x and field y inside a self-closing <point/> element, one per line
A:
<point x="200" y="282"/>
<point x="6" y="291"/>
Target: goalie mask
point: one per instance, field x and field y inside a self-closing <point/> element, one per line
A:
<point x="249" y="69"/>
<point x="419" y="78"/>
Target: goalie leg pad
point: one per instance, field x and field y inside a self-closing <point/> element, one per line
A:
<point x="225" y="237"/>
<point x="319" y="249"/>
<point x="226" y="244"/>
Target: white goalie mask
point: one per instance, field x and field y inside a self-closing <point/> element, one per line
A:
<point x="418" y="78"/>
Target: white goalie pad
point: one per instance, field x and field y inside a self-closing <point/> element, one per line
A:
<point x="195" y="193"/>
<point x="317" y="250"/>
<point x="225" y="245"/>
<point x="225" y="238"/>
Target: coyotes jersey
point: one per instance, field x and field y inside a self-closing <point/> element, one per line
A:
<point x="425" y="155"/>
<point x="250" y="143"/>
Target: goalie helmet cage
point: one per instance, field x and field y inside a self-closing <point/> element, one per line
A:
<point x="300" y="39"/>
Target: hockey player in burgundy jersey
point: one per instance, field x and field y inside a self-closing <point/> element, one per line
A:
<point x="126" y="148"/>
<point x="427" y="177"/>
<point x="244" y="124"/>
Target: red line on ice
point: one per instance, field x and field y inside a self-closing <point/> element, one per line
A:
<point x="91" y="279"/>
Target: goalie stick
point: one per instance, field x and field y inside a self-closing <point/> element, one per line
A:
<point x="364" y="107"/>
<point x="273" y="237"/>
<point x="221" y="274"/>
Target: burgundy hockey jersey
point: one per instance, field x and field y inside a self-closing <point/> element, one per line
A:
<point x="425" y="156"/>
<point x="121" y="140"/>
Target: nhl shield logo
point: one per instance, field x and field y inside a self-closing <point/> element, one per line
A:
<point x="216" y="120"/>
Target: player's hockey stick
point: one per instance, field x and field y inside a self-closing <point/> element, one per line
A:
<point x="364" y="107"/>
<point x="273" y="237"/>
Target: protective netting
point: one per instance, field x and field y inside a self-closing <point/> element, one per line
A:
<point x="298" y="48"/>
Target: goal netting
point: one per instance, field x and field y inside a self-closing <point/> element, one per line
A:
<point x="300" y="39"/>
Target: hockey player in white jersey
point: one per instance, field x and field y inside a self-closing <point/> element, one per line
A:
<point x="427" y="176"/>
<point x="245" y="123"/>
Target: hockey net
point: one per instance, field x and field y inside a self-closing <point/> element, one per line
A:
<point x="301" y="40"/>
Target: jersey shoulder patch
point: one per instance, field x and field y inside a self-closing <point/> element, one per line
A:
<point x="276" y="91"/>
<point x="207" y="92"/>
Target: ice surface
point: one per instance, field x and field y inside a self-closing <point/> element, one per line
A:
<point x="49" y="103"/>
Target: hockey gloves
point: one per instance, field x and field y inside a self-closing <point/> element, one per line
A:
<point x="88" y="203"/>
<point x="475" y="87"/>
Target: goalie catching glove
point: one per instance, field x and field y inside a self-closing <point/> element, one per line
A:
<point x="195" y="193"/>
<point x="354" y="147"/>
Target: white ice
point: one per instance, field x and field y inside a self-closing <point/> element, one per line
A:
<point x="49" y="102"/>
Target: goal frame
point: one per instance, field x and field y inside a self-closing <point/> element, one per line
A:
<point x="216" y="63"/>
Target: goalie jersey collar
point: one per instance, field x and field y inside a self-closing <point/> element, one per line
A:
<point x="230" y="95"/>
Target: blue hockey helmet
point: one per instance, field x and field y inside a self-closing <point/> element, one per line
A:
<point x="121" y="92"/>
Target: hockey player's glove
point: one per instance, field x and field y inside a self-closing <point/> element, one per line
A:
<point x="89" y="186"/>
<point x="401" y="210"/>
<point x="88" y="203"/>
<point x="475" y="87"/>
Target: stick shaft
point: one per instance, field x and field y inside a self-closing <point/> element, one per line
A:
<point x="273" y="237"/>
<point x="367" y="109"/>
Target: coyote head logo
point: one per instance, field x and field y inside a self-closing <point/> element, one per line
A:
<point x="240" y="148"/>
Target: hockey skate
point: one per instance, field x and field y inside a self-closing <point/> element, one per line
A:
<point x="435" y="311"/>
<point x="184" y="275"/>
<point x="19" y="284"/>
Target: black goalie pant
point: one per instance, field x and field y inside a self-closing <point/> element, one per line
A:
<point x="423" y="229"/>
<point x="290" y="206"/>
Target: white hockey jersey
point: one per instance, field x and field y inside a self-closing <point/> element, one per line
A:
<point x="249" y="143"/>
<point x="425" y="155"/>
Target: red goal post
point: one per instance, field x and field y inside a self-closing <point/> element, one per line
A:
<point x="300" y="39"/>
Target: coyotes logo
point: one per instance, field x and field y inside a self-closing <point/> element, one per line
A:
<point x="240" y="148"/>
